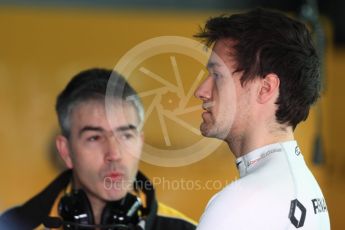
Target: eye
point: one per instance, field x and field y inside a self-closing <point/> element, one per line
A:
<point x="94" y="138"/>
<point x="127" y="136"/>
<point x="216" y="75"/>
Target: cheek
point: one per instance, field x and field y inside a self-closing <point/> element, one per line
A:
<point x="87" y="160"/>
<point x="86" y="166"/>
<point x="131" y="152"/>
<point x="87" y="174"/>
<point x="134" y="149"/>
<point x="227" y="100"/>
<point x="131" y="164"/>
<point x="132" y="156"/>
<point x="226" y="110"/>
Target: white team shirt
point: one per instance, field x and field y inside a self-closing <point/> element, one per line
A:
<point x="276" y="190"/>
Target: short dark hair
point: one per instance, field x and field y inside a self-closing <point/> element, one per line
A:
<point x="92" y="84"/>
<point x="270" y="42"/>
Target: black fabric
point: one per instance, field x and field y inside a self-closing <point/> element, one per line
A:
<point x="33" y="213"/>
<point x="169" y="223"/>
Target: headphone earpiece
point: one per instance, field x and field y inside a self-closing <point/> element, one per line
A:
<point x="124" y="211"/>
<point x="75" y="207"/>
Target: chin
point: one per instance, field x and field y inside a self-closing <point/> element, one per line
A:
<point x="212" y="132"/>
<point x="206" y="132"/>
<point x="115" y="195"/>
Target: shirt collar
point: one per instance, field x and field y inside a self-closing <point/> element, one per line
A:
<point x="248" y="161"/>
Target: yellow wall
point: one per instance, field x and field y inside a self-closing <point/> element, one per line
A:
<point x="334" y="183"/>
<point x="40" y="49"/>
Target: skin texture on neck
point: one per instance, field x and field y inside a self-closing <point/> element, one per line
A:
<point x="258" y="137"/>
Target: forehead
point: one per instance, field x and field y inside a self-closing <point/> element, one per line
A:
<point x="96" y="113"/>
<point x="223" y="53"/>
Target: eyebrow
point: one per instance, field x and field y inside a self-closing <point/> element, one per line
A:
<point x="99" y="129"/>
<point x="212" y="65"/>
<point x="90" y="128"/>
<point x="126" y="127"/>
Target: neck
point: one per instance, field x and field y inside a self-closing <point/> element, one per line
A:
<point x="258" y="137"/>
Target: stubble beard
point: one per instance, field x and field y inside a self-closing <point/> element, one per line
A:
<point x="214" y="130"/>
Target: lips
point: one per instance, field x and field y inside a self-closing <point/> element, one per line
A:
<point x="115" y="175"/>
<point x="207" y="109"/>
<point x="207" y="106"/>
<point x="206" y="115"/>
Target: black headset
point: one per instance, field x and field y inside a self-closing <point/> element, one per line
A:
<point x="76" y="212"/>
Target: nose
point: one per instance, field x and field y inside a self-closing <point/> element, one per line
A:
<point x="113" y="150"/>
<point x="204" y="91"/>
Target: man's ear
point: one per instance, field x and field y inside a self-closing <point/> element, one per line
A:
<point x="269" y="88"/>
<point x="62" y="146"/>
